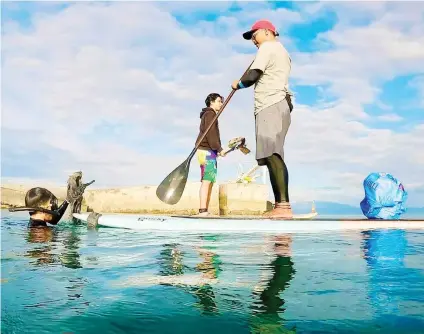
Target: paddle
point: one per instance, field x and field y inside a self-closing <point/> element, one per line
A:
<point x="172" y="187"/>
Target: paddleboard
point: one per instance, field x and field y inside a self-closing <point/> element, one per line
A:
<point x="238" y="224"/>
<point x="306" y="216"/>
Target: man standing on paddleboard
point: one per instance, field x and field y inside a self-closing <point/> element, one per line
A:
<point x="269" y="73"/>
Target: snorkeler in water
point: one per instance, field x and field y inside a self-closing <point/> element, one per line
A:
<point x="43" y="207"/>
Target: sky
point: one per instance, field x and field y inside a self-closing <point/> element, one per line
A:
<point x="115" y="89"/>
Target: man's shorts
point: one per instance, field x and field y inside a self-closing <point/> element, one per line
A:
<point x="208" y="165"/>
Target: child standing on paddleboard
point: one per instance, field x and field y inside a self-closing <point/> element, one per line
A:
<point x="209" y="150"/>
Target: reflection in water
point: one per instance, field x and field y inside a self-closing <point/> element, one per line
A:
<point x="49" y="237"/>
<point x="210" y="268"/>
<point x="170" y="260"/>
<point x="384" y="252"/>
<point x="218" y="283"/>
<point x="43" y="235"/>
<point x="70" y="257"/>
<point x="171" y="264"/>
<point x="268" y="304"/>
<point x="395" y="291"/>
<point x="266" y="311"/>
<point x="46" y="255"/>
<point x="211" y="265"/>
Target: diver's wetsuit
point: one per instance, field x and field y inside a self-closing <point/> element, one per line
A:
<point x="57" y="215"/>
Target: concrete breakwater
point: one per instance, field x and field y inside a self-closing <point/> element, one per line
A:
<point x="226" y="199"/>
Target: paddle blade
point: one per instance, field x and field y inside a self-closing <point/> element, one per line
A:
<point x="172" y="187"/>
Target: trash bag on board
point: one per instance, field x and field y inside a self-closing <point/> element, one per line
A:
<point x="385" y="197"/>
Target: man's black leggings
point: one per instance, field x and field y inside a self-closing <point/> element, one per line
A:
<point x="279" y="177"/>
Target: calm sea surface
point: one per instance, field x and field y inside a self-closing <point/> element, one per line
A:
<point x="71" y="279"/>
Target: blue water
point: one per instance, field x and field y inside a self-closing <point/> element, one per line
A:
<point x="71" y="279"/>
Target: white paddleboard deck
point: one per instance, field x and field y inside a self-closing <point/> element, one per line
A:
<point x="240" y="224"/>
<point x="306" y="216"/>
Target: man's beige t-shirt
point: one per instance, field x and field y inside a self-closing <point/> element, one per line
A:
<point x="275" y="63"/>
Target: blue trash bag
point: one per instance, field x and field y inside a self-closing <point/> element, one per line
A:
<point x="385" y="197"/>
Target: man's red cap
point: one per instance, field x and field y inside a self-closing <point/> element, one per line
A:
<point x="261" y="24"/>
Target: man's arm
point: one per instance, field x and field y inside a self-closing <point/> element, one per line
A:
<point x="257" y="68"/>
<point x="251" y="77"/>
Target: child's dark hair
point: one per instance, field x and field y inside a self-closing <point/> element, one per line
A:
<point x="39" y="197"/>
<point x="211" y="98"/>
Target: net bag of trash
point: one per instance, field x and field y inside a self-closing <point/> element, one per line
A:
<point x="385" y="197"/>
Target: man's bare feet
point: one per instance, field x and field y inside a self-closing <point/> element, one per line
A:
<point x="280" y="211"/>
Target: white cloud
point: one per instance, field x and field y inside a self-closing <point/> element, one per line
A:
<point x="115" y="95"/>
<point x="343" y="153"/>
<point x="363" y="56"/>
<point x="418" y="84"/>
<point x="390" y="118"/>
